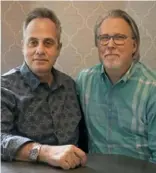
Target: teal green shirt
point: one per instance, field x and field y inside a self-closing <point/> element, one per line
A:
<point x="120" y="118"/>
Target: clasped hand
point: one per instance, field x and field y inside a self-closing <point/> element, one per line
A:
<point x="66" y="156"/>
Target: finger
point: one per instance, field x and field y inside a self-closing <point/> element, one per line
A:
<point x="81" y="154"/>
<point x="65" y="165"/>
<point x="84" y="161"/>
<point x="71" y="160"/>
<point x="76" y="159"/>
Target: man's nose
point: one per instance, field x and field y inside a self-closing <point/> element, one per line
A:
<point x="111" y="43"/>
<point x="40" y="48"/>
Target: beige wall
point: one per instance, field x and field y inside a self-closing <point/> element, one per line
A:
<point x="78" y="19"/>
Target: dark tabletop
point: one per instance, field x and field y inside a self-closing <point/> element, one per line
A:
<point x="95" y="164"/>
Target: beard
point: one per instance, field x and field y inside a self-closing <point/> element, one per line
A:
<point x="112" y="62"/>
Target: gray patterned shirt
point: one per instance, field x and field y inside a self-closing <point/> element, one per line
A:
<point x="33" y="111"/>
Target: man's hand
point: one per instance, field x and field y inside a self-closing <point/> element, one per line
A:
<point x="66" y="156"/>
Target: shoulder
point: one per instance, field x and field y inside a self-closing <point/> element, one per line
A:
<point x="10" y="77"/>
<point x="147" y="78"/>
<point x="87" y="78"/>
<point x="147" y="74"/>
<point x="89" y="73"/>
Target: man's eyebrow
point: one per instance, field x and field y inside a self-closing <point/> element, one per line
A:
<point x="44" y="39"/>
<point x="32" y="38"/>
<point x="49" y="39"/>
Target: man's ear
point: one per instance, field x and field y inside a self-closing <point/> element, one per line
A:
<point x="59" y="46"/>
<point x="59" y="49"/>
<point x="134" y="46"/>
<point x="22" y="46"/>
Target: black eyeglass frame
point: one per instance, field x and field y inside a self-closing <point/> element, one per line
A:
<point x="117" y="37"/>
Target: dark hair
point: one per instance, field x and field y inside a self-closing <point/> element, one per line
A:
<point x="117" y="13"/>
<point x="43" y="13"/>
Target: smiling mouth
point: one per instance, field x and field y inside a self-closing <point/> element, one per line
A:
<point x="111" y="56"/>
<point x="42" y="60"/>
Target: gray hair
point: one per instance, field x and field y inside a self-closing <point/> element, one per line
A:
<point x="43" y="13"/>
<point x="117" y="13"/>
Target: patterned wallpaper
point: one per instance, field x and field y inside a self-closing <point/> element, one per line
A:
<point x="78" y="19"/>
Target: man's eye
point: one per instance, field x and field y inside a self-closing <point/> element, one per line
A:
<point x="49" y="43"/>
<point x="32" y="43"/>
<point x="104" y="38"/>
<point x="119" y="37"/>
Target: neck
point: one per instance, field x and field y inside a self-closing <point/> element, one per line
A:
<point x="114" y="77"/>
<point x="115" y="74"/>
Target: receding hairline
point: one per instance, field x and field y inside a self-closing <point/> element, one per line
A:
<point x="114" y="17"/>
<point x="43" y="13"/>
<point x="41" y="18"/>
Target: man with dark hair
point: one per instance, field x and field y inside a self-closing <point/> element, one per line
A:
<point x="118" y="96"/>
<point x="40" y="113"/>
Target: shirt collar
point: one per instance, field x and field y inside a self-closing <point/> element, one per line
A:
<point x="58" y="77"/>
<point x="30" y="78"/>
<point x="124" y="78"/>
<point x="128" y="74"/>
<point x="33" y="81"/>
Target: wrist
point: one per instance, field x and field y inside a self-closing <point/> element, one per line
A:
<point x="34" y="152"/>
<point x="43" y="153"/>
<point x="47" y="153"/>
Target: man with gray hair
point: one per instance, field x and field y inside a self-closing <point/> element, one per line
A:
<point x="39" y="106"/>
<point x="118" y="96"/>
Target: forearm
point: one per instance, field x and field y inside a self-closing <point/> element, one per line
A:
<point x="18" y="148"/>
<point x="46" y="152"/>
<point x="10" y="144"/>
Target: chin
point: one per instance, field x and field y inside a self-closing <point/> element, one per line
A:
<point x="113" y="66"/>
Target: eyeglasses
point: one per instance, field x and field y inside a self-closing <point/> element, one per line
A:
<point x="119" y="39"/>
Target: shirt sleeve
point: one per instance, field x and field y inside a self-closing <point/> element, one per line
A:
<point x="10" y="140"/>
<point x="80" y="86"/>
<point x="83" y="138"/>
<point x="151" y="117"/>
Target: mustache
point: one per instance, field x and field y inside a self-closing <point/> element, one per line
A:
<point x="40" y="57"/>
<point x="111" y="54"/>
